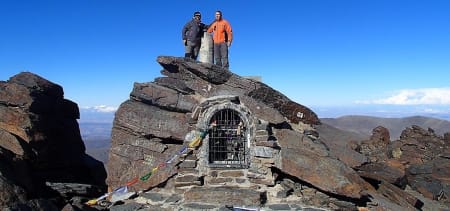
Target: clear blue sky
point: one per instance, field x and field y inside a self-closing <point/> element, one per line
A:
<point x="319" y="53"/>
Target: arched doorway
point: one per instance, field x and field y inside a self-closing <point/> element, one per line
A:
<point x="230" y="127"/>
<point x="227" y="145"/>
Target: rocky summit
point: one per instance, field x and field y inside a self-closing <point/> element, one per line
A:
<point x="203" y="138"/>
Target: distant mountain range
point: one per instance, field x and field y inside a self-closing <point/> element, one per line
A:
<point x="363" y="125"/>
<point x="97" y="135"/>
<point x="385" y="111"/>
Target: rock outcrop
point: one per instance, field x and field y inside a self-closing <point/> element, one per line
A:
<point x="204" y="138"/>
<point x="41" y="145"/>
<point x="419" y="160"/>
<point x="279" y="161"/>
<point x="426" y="159"/>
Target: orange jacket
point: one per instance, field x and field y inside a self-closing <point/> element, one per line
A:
<point x="222" y="31"/>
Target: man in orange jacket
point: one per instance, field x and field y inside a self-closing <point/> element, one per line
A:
<point x="223" y="36"/>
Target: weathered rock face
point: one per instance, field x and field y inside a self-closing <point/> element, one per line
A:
<point x="419" y="159"/>
<point x="375" y="148"/>
<point x="273" y="138"/>
<point x="427" y="161"/>
<point x="40" y="141"/>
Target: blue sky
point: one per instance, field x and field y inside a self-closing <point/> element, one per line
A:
<point x="336" y="57"/>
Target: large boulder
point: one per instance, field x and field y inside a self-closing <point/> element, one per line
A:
<point x="420" y="159"/>
<point x="40" y="140"/>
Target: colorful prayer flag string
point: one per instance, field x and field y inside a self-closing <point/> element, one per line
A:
<point x="132" y="182"/>
<point x="171" y="159"/>
<point x="146" y="176"/>
<point x="196" y="142"/>
<point x="124" y="189"/>
<point x="182" y="150"/>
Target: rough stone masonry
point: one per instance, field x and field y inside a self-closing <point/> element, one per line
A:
<point x="279" y="136"/>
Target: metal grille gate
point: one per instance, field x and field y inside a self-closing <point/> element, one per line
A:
<point x="227" y="142"/>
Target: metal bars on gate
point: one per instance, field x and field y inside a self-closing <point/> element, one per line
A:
<point x="227" y="142"/>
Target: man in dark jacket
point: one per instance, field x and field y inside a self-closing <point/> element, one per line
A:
<point x="192" y="33"/>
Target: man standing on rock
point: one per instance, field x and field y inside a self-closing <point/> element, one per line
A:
<point x="223" y="36"/>
<point x="192" y="33"/>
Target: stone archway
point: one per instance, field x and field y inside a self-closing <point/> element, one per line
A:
<point x="227" y="143"/>
<point x="230" y="130"/>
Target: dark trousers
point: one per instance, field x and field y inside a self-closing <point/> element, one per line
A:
<point x="221" y="54"/>
<point x="191" y="49"/>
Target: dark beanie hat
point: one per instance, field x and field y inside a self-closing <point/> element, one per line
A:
<point x="197" y="13"/>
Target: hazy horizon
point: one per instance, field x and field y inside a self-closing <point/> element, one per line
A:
<point x="101" y="115"/>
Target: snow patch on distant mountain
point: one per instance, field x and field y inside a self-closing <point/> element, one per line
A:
<point x="100" y="108"/>
<point x="97" y="114"/>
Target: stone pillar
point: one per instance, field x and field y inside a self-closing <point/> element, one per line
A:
<point x="206" y="53"/>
